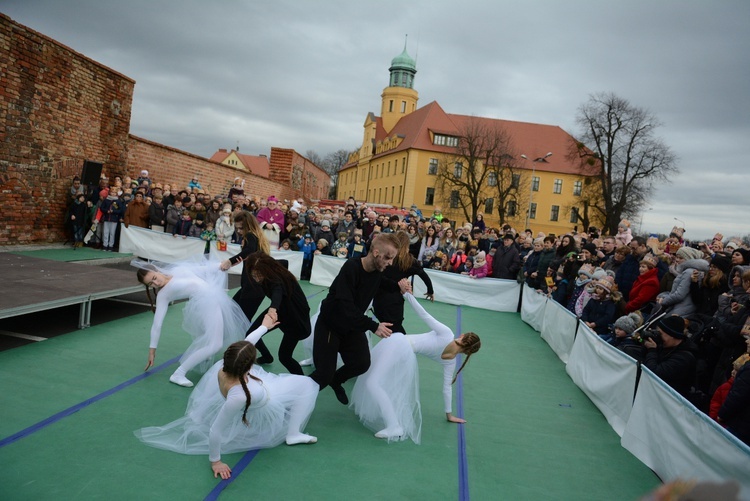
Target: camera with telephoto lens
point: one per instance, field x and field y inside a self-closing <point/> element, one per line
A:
<point x="645" y="334"/>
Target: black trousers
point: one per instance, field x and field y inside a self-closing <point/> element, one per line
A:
<point x="327" y="344"/>
<point x="295" y="329"/>
<point x="249" y="298"/>
<point x="389" y="307"/>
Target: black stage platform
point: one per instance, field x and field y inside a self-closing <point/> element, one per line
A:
<point x="32" y="284"/>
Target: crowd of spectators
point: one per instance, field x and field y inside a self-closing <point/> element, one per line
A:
<point x="680" y="308"/>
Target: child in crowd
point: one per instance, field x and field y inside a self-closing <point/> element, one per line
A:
<point x="339" y="247"/>
<point x="286" y="245"/>
<point x="78" y="219"/>
<point x="623" y="339"/>
<point x="307" y="246"/>
<point x="357" y="247"/>
<point x="479" y="270"/>
<point x="196" y="229"/>
<point x="722" y="391"/>
<point x="599" y="311"/>
<point x="174" y="215"/>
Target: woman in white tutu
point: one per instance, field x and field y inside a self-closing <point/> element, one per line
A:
<point x="210" y="316"/>
<point x="386" y="397"/>
<point x="237" y="406"/>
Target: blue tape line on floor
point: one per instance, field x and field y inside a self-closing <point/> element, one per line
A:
<point x="72" y="410"/>
<point x="463" y="462"/>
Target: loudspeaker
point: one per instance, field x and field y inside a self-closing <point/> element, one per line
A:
<point x="91" y="173"/>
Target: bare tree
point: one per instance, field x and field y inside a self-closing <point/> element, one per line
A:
<point x="331" y="163"/>
<point x="479" y="165"/>
<point x="618" y="144"/>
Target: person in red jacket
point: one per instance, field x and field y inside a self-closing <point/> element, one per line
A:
<point x="646" y="286"/>
<point x="722" y="391"/>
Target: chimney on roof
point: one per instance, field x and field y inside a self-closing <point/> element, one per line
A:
<point x="222" y="150"/>
<point x="262" y="155"/>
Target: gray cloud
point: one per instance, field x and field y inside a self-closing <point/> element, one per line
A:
<point x="303" y="75"/>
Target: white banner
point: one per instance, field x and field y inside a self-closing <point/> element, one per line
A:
<point x="605" y="374"/>
<point x="532" y="308"/>
<point x="676" y="440"/>
<point x="486" y="293"/>
<point x="158" y="246"/>
<point x="559" y="329"/>
<point x="325" y="269"/>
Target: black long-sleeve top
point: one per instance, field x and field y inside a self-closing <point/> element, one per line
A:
<point x="393" y="274"/>
<point x="349" y="296"/>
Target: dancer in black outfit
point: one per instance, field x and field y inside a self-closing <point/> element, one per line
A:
<point x="288" y="304"/>
<point x="342" y="322"/>
<point x="250" y="294"/>
<point x="388" y="303"/>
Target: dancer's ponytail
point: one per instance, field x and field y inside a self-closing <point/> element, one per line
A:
<point x="470" y="344"/>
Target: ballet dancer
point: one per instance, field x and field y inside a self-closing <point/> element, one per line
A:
<point x="288" y="304"/>
<point x="250" y="295"/>
<point x="213" y="320"/>
<point x="237" y="406"/>
<point x="386" y="397"/>
<point x="342" y="324"/>
<point x="388" y="303"/>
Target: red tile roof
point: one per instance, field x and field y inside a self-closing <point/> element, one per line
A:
<point x="256" y="164"/>
<point x="533" y="140"/>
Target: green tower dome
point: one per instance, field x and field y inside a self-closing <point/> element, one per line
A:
<point x="403" y="68"/>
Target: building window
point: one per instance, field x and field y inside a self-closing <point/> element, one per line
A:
<point x="511" y="208"/>
<point x="443" y="140"/>
<point x="535" y="183"/>
<point x="516" y="181"/>
<point x="492" y="179"/>
<point x="577" y="188"/>
<point x="433" y="168"/>
<point x="403" y="106"/>
<point x="393" y="192"/>
<point x="558" y="186"/>
<point x="532" y="210"/>
<point x="390" y="106"/>
<point x="574" y="215"/>
<point x="454" y="199"/>
<point x="458" y="170"/>
<point x="489" y="205"/>
<point x="429" y="198"/>
<point x="554" y="213"/>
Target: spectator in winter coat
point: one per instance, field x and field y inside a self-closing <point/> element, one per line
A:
<point x="506" y="262"/>
<point x="629" y="271"/>
<point x="137" y="212"/>
<point x="157" y="214"/>
<point x="599" y="311"/>
<point x="720" y="395"/>
<point x="224" y="227"/>
<point x="77" y="215"/>
<point x="112" y="213"/>
<point x="705" y="292"/>
<point x="734" y="414"/>
<point x="678" y="300"/>
<point x="623" y="340"/>
<point x="646" y="286"/>
<point x="357" y="247"/>
<point x="531" y="264"/>
<point x="174" y="214"/>
<point x="674" y="359"/>
<point x="324" y="232"/>
<point x="479" y="270"/>
<point x="545" y="259"/>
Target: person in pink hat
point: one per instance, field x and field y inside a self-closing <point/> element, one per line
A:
<point x="271" y="220"/>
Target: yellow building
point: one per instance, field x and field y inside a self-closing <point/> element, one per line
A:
<point x="461" y="164"/>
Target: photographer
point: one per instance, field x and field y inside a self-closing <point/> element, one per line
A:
<point x="671" y="356"/>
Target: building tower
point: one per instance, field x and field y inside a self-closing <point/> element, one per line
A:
<point x="399" y="98"/>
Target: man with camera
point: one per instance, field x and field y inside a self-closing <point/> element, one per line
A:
<point x="671" y="355"/>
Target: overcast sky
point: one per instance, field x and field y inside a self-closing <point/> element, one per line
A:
<point x="303" y="74"/>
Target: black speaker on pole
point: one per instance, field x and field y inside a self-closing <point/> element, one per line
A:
<point x="91" y="173"/>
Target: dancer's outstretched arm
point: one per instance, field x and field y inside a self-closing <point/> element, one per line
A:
<point x="269" y="322"/>
<point x="235" y="403"/>
<point x="426" y="317"/>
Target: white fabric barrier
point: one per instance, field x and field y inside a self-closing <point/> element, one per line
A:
<point x="532" y="307"/>
<point x="559" y="329"/>
<point x="674" y="439"/>
<point x="325" y="269"/>
<point x="486" y="293"/>
<point x="605" y="374"/>
<point x="158" y="246"/>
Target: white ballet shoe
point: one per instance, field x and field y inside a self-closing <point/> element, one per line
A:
<point x="306" y="362"/>
<point x="300" y="438"/>
<point x="180" y="380"/>
<point x="390" y="433"/>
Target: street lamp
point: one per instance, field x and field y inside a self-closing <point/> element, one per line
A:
<point x="680" y="221"/>
<point x="531" y="187"/>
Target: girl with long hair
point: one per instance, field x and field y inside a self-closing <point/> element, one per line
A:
<point x="237" y="406"/>
<point x="430" y="242"/>
<point x="212" y="319"/>
<point x="250" y="294"/>
<point x="386" y="397"/>
<point x="288" y="304"/>
<point x="388" y="303"/>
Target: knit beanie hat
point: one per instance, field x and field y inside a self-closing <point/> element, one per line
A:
<point x="325" y="222"/>
<point x="689" y="253"/>
<point x="674" y="326"/>
<point x="722" y="262"/>
<point x="591" y="247"/>
<point x="587" y="270"/>
<point x="629" y="323"/>
<point x="480" y="259"/>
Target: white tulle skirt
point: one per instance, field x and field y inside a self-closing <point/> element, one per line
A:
<point x="268" y="419"/>
<point x="387" y="395"/>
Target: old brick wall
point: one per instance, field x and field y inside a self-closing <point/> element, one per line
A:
<point x="177" y="168"/>
<point x="307" y="179"/>
<point x="58" y="109"/>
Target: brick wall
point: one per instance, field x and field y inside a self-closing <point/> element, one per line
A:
<point x="59" y="108"/>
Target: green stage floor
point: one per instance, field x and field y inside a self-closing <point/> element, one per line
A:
<point x="531" y="433"/>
